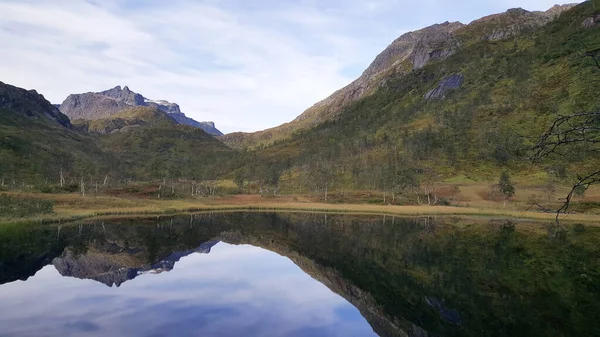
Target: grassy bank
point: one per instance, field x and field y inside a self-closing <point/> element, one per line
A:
<point x="74" y="206"/>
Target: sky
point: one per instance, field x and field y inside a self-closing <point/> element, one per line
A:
<point x="246" y="65"/>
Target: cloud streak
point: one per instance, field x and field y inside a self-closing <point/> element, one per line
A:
<point x="245" y="65"/>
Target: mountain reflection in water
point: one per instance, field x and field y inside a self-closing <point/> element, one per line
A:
<point x="406" y="277"/>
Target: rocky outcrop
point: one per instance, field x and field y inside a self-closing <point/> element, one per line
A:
<point x="29" y="103"/>
<point x="410" y="51"/>
<point x="449" y="83"/>
<point x="105" y="268"/>
<point x="97" y="105"/>
<point x="206" y="126"/>
<point x="416" y="49"/>
<point x="512" y="22"/>
<point x="124" y="95"/>
<point x="90" y="106"/>
<point x="94" y="267"/>
<point x="591" y="22"/>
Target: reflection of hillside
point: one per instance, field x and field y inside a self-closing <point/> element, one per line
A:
<point x="329" y="277"/>
<point x="408" y="277"/>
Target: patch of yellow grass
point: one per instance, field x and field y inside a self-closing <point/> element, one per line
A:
<point x="73" y="206"/>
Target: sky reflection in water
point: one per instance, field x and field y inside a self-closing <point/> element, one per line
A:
<point x="233" y="291"/>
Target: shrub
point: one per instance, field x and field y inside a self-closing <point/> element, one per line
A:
<point x="21" y="207"/>
<point x="46" y="189"/>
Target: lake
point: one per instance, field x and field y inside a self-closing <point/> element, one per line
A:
<point x="299" y="274"/>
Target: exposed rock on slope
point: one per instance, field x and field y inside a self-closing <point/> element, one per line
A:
<point x="591" y="21"/>
<point x="410" y="51"/>
<point x="92" y="106"/>
<point x="512" y="22"/>
<point x="206" y="126"/>
<point x="449" y="83"/>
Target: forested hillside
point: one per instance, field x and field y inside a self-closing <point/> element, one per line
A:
<point x="39" y="145"/>
<point x="451" y="103"/>
<point x="472" y="115"/>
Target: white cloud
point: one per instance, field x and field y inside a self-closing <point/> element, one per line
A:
<point x="245" y="65"/>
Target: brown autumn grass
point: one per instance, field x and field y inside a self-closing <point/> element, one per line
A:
<point x="75" y="206"/>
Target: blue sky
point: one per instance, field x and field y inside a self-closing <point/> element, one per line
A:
<point x="246" y="65"/>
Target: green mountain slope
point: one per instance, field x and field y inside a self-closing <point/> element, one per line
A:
<point x="411" y="51"/>
<point x="123" y="120"/>
<point x="475" y="113"/>
<point x="37" y="143"/>
<point x="164" y="149"/>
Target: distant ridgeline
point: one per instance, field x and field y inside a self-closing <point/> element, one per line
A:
<point x="450" y="100"/>
<point x="97" y="105"/>
<point x="39" y="144"/>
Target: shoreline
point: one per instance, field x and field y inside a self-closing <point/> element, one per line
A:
<point x="69" y="207"/>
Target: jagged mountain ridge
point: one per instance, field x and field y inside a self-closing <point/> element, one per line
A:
<point x="409" y="52"/>
<point x="102" y="268"/>
<point x="30" y="104"/>
<point x="91" y="106"/>
<point x="37" y="142"/>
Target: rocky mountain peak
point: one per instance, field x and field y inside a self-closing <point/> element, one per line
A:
<point x="411" y="51"/>
<point x="512" y="22"/>
<point x="556" y="10"/>
<point x="30" y="103"/>
<point x="92" y="106"/>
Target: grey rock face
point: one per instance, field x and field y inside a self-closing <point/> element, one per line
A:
<point x="591" y="21"/>
<point x="29" y="103"/>
<point x="410" y="51"/>
<point x="206" y="126"/>
<point x="124" y="95"/>
<point x="99" y="268"/>
<point x="90" y="106"/>
<point x="448" y="83"/>
<point x="416" y="49"/>
<point x="95" y="268"/>
<point x="514" y="21"/>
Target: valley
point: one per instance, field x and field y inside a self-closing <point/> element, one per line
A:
<point x="470" y="116"/>
<point x="450" y="189"/>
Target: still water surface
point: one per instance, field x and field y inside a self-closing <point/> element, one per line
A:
<point x="266" y="274"/>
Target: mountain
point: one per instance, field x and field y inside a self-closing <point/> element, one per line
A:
<point x="206" y="126"/>
<point x="91" y="106"/>
<point x="40" y="144"/>
<point x="448" y="101"/>
<point x="408" y="53"/>
<point x="111" y="269"/>
<point x="29" y="103"/>
<point x="125" y="120"/>
<point x="37" y="141"/>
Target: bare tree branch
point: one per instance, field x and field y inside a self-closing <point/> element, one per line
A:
<point x="584" y="182"/>
<point x="579" y="128"/>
